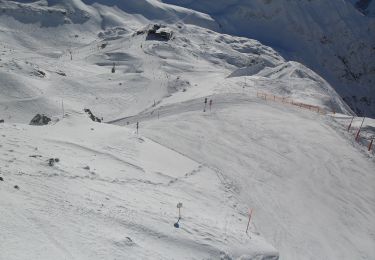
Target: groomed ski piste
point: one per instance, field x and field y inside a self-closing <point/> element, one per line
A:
<point x="112" y="192"/>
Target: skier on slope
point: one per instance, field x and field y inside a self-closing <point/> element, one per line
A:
<point x="205" y="104"/>
<point x="210" y="104"/>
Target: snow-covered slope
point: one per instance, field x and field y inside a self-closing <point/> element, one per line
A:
<point x="311" y="191"/>
<point x="331" y="37"/>
<point x="113" y="193"/>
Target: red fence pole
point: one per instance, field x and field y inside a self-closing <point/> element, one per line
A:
<point x="248" y="223"/>
<point x="370" y="145"/>
<point x="357" y="135"/>
<point x="350" y="125"/>
<point x="359" y="130"/>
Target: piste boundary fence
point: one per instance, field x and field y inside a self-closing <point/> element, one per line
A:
<point x="284" y="100"/>
<point x="364" y="140"/>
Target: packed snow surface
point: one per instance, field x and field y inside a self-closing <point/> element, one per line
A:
<point x="77" y="189"/>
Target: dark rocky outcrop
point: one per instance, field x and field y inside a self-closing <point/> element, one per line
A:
<point x="92" y="116"/>
<point x="362" y="5"/>
<point x="40" y="119"/>
<point x="159" y="33"/>
<point x="52" y="161"/>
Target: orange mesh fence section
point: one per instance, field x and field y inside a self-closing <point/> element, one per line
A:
<point x="289" y="101"/>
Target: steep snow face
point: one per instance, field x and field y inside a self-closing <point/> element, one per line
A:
<point x="331" y="37"/>
<point x="53" y="13"/>
<point x="48" y="14"/>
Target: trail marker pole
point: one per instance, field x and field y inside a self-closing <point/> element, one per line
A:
<point x="350" y="125"/>
<point x="179" y="206"/>
<point x="248" y="223"/>
<point x="359" y="130"/>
